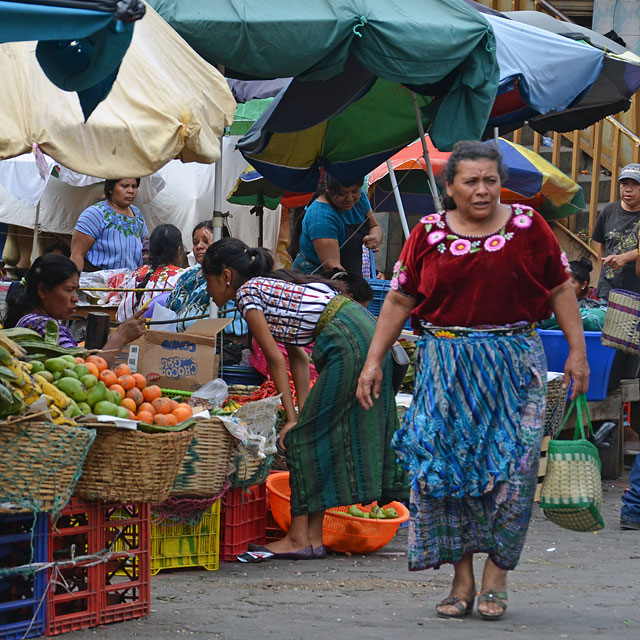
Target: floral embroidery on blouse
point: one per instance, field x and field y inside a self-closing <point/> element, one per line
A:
<point x="399" y="276"/>
<point x="565" y="262"/>
<point x="435" y="225"/>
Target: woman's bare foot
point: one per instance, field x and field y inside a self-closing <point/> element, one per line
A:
<point x="463" y="591"/>
<point x="494" y="583"/>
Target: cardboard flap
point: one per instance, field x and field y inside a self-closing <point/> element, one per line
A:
<point x="178" y="341"/>
<point x="208" y="327"/>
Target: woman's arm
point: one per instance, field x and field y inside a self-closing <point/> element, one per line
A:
<point x="277" y="365"/>
<point x="394" y="314"/>
<point x="375" y="237"/>
<point x="564" y="304"/>
<point x="131" y="329"/>
<point x="299" y="365"/>
<point x="328" y="251"/>
<point x="80" y="244"/>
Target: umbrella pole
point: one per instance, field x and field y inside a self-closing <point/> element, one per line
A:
<point x="218" y="218"/>
<point x="425" y="152"/>
<point x="36" y="230"/>
<point x="396" y="195"/>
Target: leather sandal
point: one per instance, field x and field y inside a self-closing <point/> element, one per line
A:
<point x="462" y="610"/>
<point x="497" y="597"/>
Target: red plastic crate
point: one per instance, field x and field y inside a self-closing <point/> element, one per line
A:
<point x="243" y="521"/>
<point x="125" y="591"/>
<point x="72" y="601"/>
<point x="88" y="596"/>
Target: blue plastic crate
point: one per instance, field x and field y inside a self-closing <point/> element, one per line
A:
<point x="235" y="374"/>
<point x="22" y="614"/>
<point x="380" y="289"/>
<point x="600" y="358"/>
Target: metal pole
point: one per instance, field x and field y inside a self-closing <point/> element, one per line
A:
<point x="425" y="152"/>
<point x="396" y="195"/>
<point x="36" y="231"/>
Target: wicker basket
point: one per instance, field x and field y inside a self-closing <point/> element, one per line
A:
<point x="622" y="323"/>
<point x="205" y="467"/>
<point x="132" y="466"/>
<point x="249" y="470"/>
<point x="556" y="404"/>
<point x="41" y="463"/>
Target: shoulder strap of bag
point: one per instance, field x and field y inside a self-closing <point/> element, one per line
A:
<point x="582" y="412"/>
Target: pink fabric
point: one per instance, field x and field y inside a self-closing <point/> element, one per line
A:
<point x="259" y="362"/>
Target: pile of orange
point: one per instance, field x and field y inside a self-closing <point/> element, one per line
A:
<point x="144" y="403"/>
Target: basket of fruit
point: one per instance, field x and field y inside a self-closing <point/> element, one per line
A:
<point x="128" y="465"/>
<point x="352" y="529"/>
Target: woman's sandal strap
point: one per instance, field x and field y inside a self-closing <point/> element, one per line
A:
<point x="454" y="601"/>
<point x="497" y="597"/>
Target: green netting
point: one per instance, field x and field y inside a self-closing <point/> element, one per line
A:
<point x="41" y="463"/>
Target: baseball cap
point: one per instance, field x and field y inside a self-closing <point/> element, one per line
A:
<point x="630" y="171"/>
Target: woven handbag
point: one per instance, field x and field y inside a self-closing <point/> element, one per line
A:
<point x="572" y="491"/>
<point x="622" y="323"/>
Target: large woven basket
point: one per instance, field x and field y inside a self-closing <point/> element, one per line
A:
<point x="132" y="466"/>
<point x="205" y="466"/>
<point x="622" y="323"/>
<point x="556" y="403"/>
<point x="41" y="463"/>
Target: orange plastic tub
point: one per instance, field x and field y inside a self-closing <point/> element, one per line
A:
<point x="341" y="532"/>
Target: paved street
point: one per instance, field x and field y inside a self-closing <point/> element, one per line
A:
<point x="568" y="585"/>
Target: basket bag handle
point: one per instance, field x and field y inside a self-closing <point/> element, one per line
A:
<point x="582" y="412"/>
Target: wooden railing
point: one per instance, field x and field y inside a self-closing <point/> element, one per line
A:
<point x="609" y="144"/>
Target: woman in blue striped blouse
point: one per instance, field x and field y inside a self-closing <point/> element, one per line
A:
<point x="110" y="233"/>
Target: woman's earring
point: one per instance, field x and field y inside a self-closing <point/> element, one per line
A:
<point x="228" y="284"/>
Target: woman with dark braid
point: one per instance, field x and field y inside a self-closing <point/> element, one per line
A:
<point x="337" y="453"/>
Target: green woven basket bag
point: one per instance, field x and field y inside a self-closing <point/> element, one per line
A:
<point x="572" y="491"/>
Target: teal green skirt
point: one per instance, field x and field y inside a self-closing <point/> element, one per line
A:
<point x="339" y="454"/>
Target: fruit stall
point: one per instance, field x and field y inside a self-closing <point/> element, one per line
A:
<point x="110" y="478"/>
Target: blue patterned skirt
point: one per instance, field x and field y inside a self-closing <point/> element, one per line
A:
<point x="470" y="442"/>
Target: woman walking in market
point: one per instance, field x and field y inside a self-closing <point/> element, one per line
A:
<point x="475" y="279"/>
<point x="337" y="453"/>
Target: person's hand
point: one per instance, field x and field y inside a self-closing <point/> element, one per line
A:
<point x="370" y="381"/>
<point x="615" y="262"/>
<point x="371" y="242"/>
<point x="576" y="368"/>
<point x="132" y="328"/>
<point x="288" y="425"/>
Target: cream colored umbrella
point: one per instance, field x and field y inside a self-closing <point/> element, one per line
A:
<point x="166" y="102"/>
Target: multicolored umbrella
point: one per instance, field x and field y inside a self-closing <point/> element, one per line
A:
<point x="254" y="190"/>
<point x="532" y="180"/>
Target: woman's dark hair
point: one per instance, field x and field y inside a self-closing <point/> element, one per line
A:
<point x="328" y="186"/>
<point x="165" y="247"/>
<point x="253" y="262"/>
<point x="356" y="286"/>
<point x="471" y="150"/>
<point x="581" y="270"/>
<point x="110" y="184"/>
<point x="58" y="245"/>
<point x="205" y="224"/>
<point x="49" y="270"/>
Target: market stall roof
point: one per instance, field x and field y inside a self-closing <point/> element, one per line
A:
<point x="166" y="103"/>
<point x="81" y="42"/>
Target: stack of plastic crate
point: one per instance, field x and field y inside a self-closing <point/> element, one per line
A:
<point x="244" y="519"/>
<point x="89" y="593"/>
<point x="180" y="546"/>
<point x="22" y="596"/>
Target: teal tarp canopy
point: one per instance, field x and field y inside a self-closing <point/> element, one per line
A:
<point x="79" y="49"/>
<point x="441" y="48"/>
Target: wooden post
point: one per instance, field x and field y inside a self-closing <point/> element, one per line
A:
<point x="557" y="145"/>
<point x="537" y="142"/>
<point x="595" y="174"/>
<point x="615" y="163"/>
<point x="517" y="136"/>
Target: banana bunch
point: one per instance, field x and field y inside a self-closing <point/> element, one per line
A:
<point x="19" y="389"/>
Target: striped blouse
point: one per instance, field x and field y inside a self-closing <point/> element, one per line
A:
<point x="117" y="238"/>
<point x="292" y="310"/>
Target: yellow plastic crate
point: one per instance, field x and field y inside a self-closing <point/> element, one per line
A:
<point x="181" y="546"/>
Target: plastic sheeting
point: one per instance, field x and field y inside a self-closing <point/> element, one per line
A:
<point x="166" y="103"/>
<point x="185" y="200"/>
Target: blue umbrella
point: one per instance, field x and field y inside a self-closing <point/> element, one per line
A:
<point x="81" y="43"/>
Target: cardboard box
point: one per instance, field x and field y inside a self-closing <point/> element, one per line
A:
<point x="183" y="361"/>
